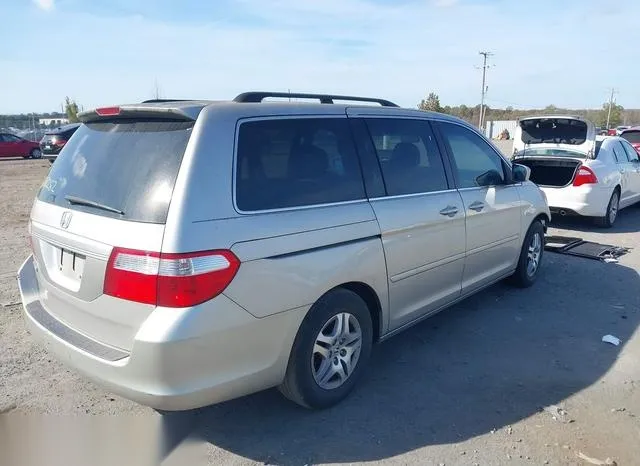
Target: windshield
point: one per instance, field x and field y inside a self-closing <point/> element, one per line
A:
<point x="632" y="136"/>
<point x="125" y="170"/>
<point x="553" y="152"/>
<point x="554" y="130"/>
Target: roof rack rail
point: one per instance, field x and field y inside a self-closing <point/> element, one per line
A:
<point x="151" y="101"/>
<point x="256" y="97"/>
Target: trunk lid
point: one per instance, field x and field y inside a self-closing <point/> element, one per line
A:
<point x="561" y="133"/>
<point x="110" y="187"/>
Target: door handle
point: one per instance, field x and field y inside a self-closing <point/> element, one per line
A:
<point x="449" y="211"/>
<point x="477" y="206"/>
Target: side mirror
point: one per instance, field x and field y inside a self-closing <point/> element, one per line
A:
<point x="520" y="173"/>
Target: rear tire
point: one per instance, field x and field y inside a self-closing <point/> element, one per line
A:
<point x="330" y="352"/>
<point x="611" y="214"/>
<point x="530" y="257"/>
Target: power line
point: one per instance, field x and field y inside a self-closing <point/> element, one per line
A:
<point x="485" y="55"/>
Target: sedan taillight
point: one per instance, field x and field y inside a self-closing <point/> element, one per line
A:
<point x="584" y="175"/>
<point x="169" y="280"/>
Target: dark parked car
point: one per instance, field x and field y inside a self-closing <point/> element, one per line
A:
<point x="54" y="140"/>
<point x="15" y="146"/>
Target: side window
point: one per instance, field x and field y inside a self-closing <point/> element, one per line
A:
<point x="11" y="138"/>
<point x="631" y="152"/>
<point x="408" y="155"/>
<point x="619" y="153"/>
<point x="298" y="162"/>
<point x="2" y="138"/>
<point x="476" y="163"/>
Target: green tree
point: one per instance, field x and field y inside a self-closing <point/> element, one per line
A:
<point x="616" y="115"/>
<point x="71" y="109"/>
<point x="432" y="104"/>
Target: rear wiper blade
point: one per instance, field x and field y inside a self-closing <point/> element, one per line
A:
<point x="75" y="200"/>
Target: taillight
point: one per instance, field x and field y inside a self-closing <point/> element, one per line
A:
<point x="169" y="280"/>
<point x="108" y="111"/>
<point x="59" y="142"/>
<point x="584" y="175"/>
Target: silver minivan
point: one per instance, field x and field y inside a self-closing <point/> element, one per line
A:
<point x="189" y="252"/>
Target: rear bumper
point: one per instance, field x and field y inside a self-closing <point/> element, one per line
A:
<point x="181" y="358"/>
<point x="584" y="200"/>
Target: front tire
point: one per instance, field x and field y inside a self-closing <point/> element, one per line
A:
<point x="530" y="257"/>
<point x="35" y="154"/>
<point x="330" y="352"/>
<point x="611" y="214"/>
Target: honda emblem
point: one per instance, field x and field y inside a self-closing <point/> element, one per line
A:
<point x="66" y="219"/>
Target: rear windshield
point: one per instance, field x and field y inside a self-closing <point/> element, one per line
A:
<point x="632" y="136"/>
<point x="554" y="130"/>
<point x="129" y="168"/>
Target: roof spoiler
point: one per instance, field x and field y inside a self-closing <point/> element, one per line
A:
<point x="139" y="112"/>
<point x="259" y="96"/>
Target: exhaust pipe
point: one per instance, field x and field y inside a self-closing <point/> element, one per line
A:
<point x="563" y="213"/>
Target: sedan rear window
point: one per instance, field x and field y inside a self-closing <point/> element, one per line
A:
<point x="121" y="169"/>
<point x="632" y="136"/>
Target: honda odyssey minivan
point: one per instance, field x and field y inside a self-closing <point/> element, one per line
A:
<point x="190" y="252"/>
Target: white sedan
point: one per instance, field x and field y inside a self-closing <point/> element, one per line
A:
<point x="594" y="184"/>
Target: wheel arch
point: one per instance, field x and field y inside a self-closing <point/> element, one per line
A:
<point x="371" y="299"/>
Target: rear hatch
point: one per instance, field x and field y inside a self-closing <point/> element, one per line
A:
<point x="551" y="132"/>
<point x="110" y="187"/>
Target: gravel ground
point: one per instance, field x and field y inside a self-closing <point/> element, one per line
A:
<point x="469" y="386"/>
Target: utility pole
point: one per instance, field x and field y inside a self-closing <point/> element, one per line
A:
<point x="613" y="91"/>
<point x="156" y="93"/>
<point x="485" y="55"/>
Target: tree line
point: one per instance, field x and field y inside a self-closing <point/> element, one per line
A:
<point x="27" y="120"/>
<point x="619" y="115"/>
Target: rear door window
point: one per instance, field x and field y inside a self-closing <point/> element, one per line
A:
<point x="408" y="156"/>
<point x="619" y="153"/>
<point x="285" y="163"/>
<point x="126" y="166"/>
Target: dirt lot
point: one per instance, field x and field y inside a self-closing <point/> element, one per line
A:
<point x="468" y="386"/>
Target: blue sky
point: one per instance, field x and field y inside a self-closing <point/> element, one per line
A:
<point x="101" y="52"/>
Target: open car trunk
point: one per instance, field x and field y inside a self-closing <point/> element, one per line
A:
<point x="553" y="172"/>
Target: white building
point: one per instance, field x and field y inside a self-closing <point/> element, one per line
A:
<point x="55" y="121"/>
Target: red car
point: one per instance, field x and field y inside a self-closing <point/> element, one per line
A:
<point x="14" y="146"/>
<point x="633" y="136"/>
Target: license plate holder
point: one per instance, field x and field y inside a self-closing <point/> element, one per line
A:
<point x="71" y="264"/>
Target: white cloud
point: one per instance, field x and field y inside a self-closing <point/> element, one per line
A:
<point x="445" y="3"/>
<point x="46" y="5"/>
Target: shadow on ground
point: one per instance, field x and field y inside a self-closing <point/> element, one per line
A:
<point x="491" y="361"/>
<point x="628" y="222"/>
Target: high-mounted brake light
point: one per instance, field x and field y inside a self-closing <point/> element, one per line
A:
<point x="169" y="280"/>
<point x="108" y="111"/>
<point x="584" y="175"/>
